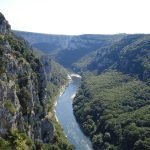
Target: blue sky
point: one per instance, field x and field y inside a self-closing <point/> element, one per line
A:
<point x="78" y="16"/>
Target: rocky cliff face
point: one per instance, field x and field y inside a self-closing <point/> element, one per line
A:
<point x="4" y="26"/>
<point x="47" y="43"/>
<point x="23" y="94"/>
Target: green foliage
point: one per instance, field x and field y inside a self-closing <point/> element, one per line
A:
<point x="1" y="38"/>
<point x="116" y="102"/>
<point x="58" y="74"/>
<point x="5" y="145"/>
<point x="97" y="140"/>
<point x="21" y="141"/>
<point x="10" y="107"/>
<point x="24" y="97"/>
<point x="15" y="43"/>
<point x="142" y="144"/>
<point x="60" y="141"/>
<point x="17" y="141"/>
<point x="114" y="110"/>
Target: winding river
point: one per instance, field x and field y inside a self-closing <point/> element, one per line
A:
<point x="65" y="116"/>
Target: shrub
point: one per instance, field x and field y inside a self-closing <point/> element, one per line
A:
<point x="4" y="145"/>
<point x="10" y="107"/>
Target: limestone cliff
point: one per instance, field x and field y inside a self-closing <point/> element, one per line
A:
<point x="23" y="94"/>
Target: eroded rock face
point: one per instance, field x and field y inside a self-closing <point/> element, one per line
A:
<point x="23" y="95"/>
<point x="4" y="26"/>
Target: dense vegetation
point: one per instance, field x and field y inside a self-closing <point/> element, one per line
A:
<point x="113" y="102"/>
<point x="114" y="110"/>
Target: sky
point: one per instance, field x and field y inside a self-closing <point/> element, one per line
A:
<point x="74" y="17"/>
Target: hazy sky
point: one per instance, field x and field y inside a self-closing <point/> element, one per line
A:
<point x="78" y="16"/>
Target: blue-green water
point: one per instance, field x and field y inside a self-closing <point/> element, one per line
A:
<point x="64" y="113"/>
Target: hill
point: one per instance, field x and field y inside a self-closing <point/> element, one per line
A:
<point x="130" y="55"/>
<point x="113" y="103"/>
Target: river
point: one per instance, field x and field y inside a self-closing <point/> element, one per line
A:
<point x="65" y="116"/>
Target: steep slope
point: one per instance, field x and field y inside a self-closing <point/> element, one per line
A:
<point x="47" y="43"/>
<point x="24" y="97"/>
<point x="81" y="45"/>
<point x="113" y="103"/>
<point x="69" y="49"/>
<point x="129" y="55"/>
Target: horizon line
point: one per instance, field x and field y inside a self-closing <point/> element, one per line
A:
<point x="123" y="33"/>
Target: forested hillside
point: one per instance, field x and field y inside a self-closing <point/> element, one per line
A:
<point x="114" y="110"/>
<point x="130" y="55"/>
<point x="28" y="85"/>
<point x="113" y="102"/>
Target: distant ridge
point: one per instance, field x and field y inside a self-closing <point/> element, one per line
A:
<point x="67" y="49"/>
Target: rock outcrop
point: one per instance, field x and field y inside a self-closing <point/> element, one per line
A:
<point x="23" y="94"/>
<point x="4" y="26"/>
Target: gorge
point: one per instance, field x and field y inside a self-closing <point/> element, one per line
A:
<point x="112" y="103"/>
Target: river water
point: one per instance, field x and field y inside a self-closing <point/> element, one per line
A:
<point x="65" y="116"/>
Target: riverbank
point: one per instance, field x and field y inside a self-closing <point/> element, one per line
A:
<point x="62" y="89"/>
<point x="60" y="92"/>
<point x="54" y="91"/>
